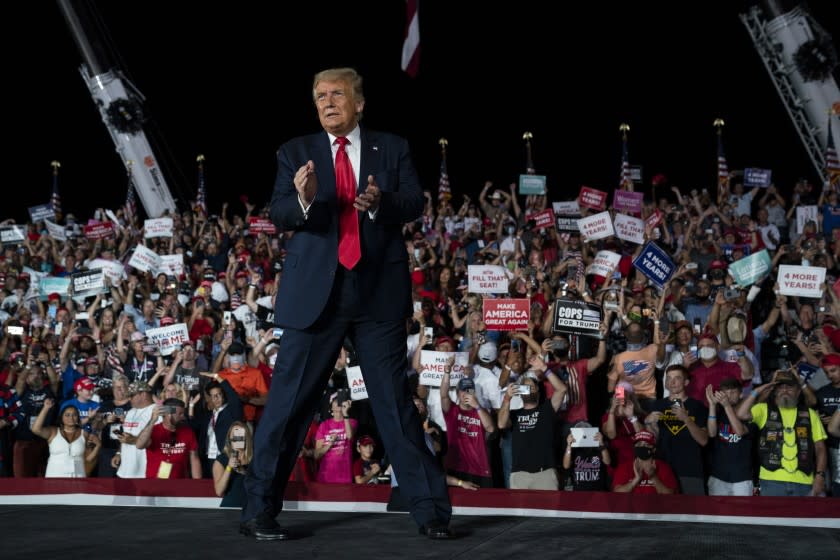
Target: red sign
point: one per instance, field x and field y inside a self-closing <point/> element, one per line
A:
<point x="507" y="314"/>
<point x="99" y="230"/>
<point x="654" y="219"/>
<point x="592" y="198"/>
<point x="260" y="225"/>
<point x="544" y="219"/>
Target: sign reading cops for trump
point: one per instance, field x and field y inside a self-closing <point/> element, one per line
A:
<point x="577" y="317"/>
<point x="88" y="282"/>
<point x="749" y="269"/>
<point x="755" y="177"/>
<point x="532" y="184"/>
<point x="655" y="263"/>
<point x="564" y="223"/>
<point x="356" y="381"/>
<point x="12" y="234"/>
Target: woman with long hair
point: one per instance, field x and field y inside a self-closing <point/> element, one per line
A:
<point x="71" y="448"/>
<point x="231" y="465"/>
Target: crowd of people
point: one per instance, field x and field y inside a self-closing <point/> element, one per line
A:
<point x="698" y="385"/>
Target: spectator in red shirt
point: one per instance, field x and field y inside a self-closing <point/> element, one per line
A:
<point x="646" y="474"/>
<point x="466" y="427"/>
<point x="170" y="445"/>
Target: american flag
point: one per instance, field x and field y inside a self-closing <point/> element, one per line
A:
<point x="410" y="62"/>
<point x="201" y="197"/>
<point x="626" y="182"/>
<point x="832" y="163"/>
<point x="723" y="168"/>
<point x="444" y="192"/>
<point x="56" y="199"/>
<point x="130" y="200"/>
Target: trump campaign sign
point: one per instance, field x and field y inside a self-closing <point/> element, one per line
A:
<point x="576" y="317"/>
<point x="487" y="279"/>
<point x="596" y="227"/>
<point x="435" y="363"/>
<point x="805" y="281"/>
<point x="168" y="338"/>
<point x="655" y="263"/>
<point x="544" y="219"/>
<point x="506" y="314"/>
<point x="356" y="381"/>
<point x="592" y="198"/>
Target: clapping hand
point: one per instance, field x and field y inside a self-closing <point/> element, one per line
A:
<point x="368" y="201"/>
<point x="306" y="182"/>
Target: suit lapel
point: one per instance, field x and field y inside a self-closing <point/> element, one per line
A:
<point x="324" y="168"/>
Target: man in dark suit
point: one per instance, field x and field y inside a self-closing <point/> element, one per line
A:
<point x="345" y="274"/>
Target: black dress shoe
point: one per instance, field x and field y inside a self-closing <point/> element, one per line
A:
<point x="436" y="530"/>
<point x="264" y="528"/>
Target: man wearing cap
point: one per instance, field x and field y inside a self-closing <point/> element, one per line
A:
<point x="130" y="461"/>
<point x="791" y="439"/>
<point x="709" y="369"/>
<point x="366" y="469"/>
<point x="84" y="389"/>
<point x="138" y="364"/>
<point x="645" y="474"/>
<point x="486" y="377"/>
<point x="828" y="402"/>
<point x="467" y="425"/>
<point x="731" y="466"/>
<point x="78" y="347"/>
<point x="499" y="202"/>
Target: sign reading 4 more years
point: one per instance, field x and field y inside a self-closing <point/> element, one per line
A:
<point x="655" y="263"/>
<point x="804" y="281"/>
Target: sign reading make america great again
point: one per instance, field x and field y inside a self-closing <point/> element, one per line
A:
<point x="576" y="317"/>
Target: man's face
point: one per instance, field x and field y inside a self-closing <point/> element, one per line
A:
<point x="675" y="381"/>
<point x="787" y="395"/>
<point x="833" y="373"/>
<point x="217" y="398"/>
<point x="337" y="108"/>
<point x="421" y="407"/>
<point x="684" y="336"/>
<point x="733" y="395"/>
<point x="176" y="417"/>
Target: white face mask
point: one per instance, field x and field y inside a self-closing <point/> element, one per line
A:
<point x="707" y="353"/>
<point x="272" y="359"/>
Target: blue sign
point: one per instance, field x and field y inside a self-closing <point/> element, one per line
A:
<point x="655" y="263"/>
<point x="806" y="371"/>
<point x="41" y="212"/>
<point x="532" y="184"/>
<point x="755" y="177"/>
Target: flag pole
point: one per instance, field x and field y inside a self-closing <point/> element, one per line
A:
<point x="529" y="155"/>
<point x="444" y="190"/>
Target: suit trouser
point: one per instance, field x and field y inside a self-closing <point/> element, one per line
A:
<point x="304" y="363"/>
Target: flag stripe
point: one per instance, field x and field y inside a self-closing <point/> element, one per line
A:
<point x="411" y="45"/>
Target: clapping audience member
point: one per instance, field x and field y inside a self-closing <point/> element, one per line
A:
<point x="731" y="469"/>
<point x="646" y="474"/>
<point x="366" y="469"/>
<point x="624" y="418"/>
<point x="30" y="452"/>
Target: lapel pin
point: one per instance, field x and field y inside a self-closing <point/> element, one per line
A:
<point x="376" y="148"/>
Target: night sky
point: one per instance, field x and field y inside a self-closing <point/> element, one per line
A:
<point x="233" y="82"/>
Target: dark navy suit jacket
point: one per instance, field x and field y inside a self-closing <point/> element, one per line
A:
<point x="312" y="252"/>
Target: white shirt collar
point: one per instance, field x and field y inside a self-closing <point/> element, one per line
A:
<point x="355" y="137"/>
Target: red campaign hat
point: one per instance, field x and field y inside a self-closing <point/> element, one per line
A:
<point x="710" y="335"/>
<point x="91" y="361"/>
<point x="830" y="360"/>
<point x="54" y="297"/>
<point x="717" y="264"/>
<point x="84" y="383"/>
<point x="441" y="339"/>
<point x="366" y="440"/>
<point x="644" y="436"/>
<point x="164" y="321"/>
<point x="206" y="284"/>
<point x="417" y="277"/>
<point x="241" y="274"/>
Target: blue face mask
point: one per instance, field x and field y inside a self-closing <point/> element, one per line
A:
<point x="635" y="347"/>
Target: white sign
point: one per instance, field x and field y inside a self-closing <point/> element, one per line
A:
<point x="144" y="259"/>
<point x="168" y="338"/>
<point x="56" y="231"/>
<point x="434" y="364"/>
<point x="356" y="381"/>
<point x="487" y="279"/>
<point x="12" y="234"/>
<point x="605" y="263"/>
<point x="595" y="227"/>
<point x="805" y="214"/>
<point x="172" y="265"/>
<point x="566" y="208"/>
<point x="805" y="281"/>
<point x="158" y="227"/>
<point x="629" y="228"/>
<point x="115" y="270"/>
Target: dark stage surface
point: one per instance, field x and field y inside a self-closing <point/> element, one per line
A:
<point x="91" y="532"/>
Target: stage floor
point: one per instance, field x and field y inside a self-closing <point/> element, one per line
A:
<point x="127" y="533"/>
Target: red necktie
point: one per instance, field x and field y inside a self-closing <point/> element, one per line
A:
<point x="349" y="248"/>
